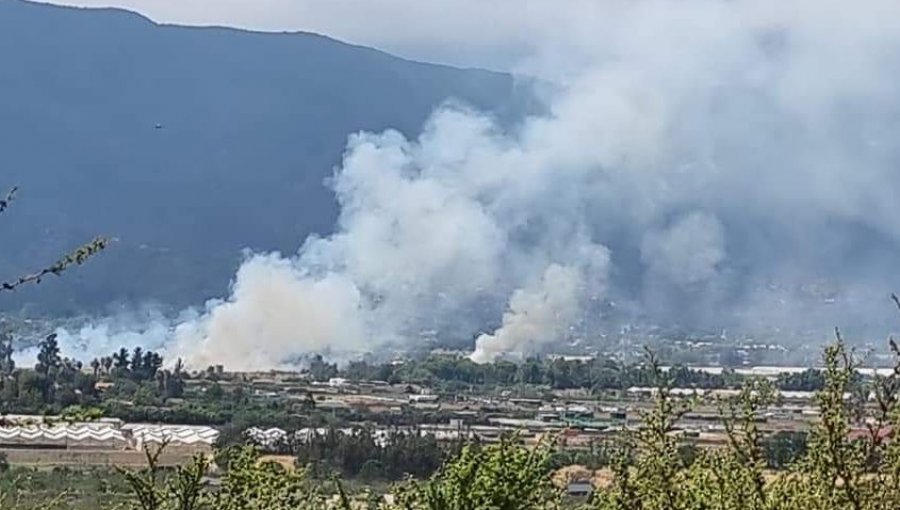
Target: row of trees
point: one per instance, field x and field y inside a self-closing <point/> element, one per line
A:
<point x="456" y="372"/>
<point x="139" y="366"/>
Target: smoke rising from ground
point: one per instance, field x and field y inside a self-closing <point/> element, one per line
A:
<point x="539" y="315"/>
<point x="735" y="163"/>
<point x="272" y="309"/>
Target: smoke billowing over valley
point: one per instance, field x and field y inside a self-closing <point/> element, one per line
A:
<point x="704" y="165"/>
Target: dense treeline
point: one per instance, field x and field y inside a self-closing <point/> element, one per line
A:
<point x="361" y="452"/>
<point x="457" y="373"/>
<point x="780" y="450"/>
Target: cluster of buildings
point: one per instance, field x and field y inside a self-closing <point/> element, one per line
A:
<point x="47" y="440"/>
<point x="576" y="415"/>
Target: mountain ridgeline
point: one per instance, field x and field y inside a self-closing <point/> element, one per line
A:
<point x="186" y="145"/>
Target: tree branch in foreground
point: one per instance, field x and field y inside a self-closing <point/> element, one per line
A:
<point x="76" y="258"/>
<point x="10" y="197"/>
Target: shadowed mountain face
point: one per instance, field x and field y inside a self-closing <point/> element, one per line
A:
<point x="187" y="145"/>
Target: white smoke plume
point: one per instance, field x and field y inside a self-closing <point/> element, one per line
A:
<point x="726" y="153"/>
<point x="87" y="338"/>
<point x="427" y="229"/>
<point x="273" y="310"/>
<point x="537" y="316"/>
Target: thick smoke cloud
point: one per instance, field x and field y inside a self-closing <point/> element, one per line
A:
<point x="432" y="232"/>
<point x="706" y="164"/>
<point x="274" y="308"/>
<point x="543" y="314"/>
<point x="536" y="315"/>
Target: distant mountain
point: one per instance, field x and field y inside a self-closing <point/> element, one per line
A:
<point x="187" y="145"/>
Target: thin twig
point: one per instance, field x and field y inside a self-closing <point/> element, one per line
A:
<point x="10" y="197"/>
<point x="76" y="258"/>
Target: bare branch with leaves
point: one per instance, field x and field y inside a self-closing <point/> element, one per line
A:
<point x="75" y="258"/>
<point x="8" y="200"/>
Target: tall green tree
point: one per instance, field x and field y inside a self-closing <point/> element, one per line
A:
<point x="7" y="364"/>
<point x="48" y="357"/>
<point x="121" y="362"/>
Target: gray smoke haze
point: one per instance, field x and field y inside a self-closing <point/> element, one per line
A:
<point x="687" y="253"/>
<point x="734" y="162"/>
<point x="86" y="338"/>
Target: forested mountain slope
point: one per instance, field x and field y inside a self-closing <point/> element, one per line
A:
<point x="185" y="145"/>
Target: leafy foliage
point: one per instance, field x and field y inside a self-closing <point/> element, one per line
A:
<point x="502" y="476"/>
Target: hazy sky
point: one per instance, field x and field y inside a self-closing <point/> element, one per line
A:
<point x="495" y="34"/>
